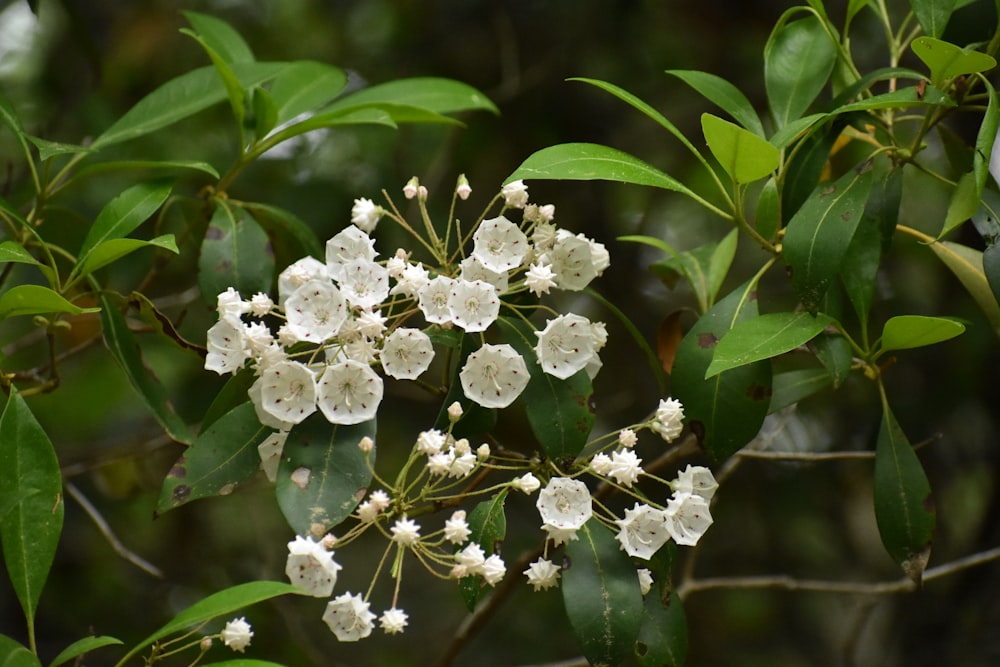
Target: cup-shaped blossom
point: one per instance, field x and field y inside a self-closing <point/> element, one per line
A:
<point x="228" y="347"/>
<point x="696" y="479"/>
<point x="688" y="517"/>
<point x="349" y="244"/>
<point x="572" y="262"/>
<point x="473" y="269"/>
<point x="565" y="503"/>
<point x="348" y="617"/>
<point x="311" y="567"/>
<point x="499" y="244"/>
<point x="643" y="531"/>
<point x="515" y="194"/>
<point x="297" y="274"/>
<point x="315" y="311"/>
<point x="406" y="353"/>
<point x="473" y="305"/>
<point x="288" y="391"/>
<point x="365" y="214"/>
<point x="364" y="283"/>
<point x="565" y="345"/>
<point x="433" y="299"/>
<point x="349" y="392"/>
<point x="494" y="375"/>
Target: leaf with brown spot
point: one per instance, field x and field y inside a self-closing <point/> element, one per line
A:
<point x="668" y="338"/>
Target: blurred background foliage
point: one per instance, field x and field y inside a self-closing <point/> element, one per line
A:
<point x="81" y="63"/>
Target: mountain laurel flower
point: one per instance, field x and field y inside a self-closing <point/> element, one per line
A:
<point x="539" y="279"/>
<point x="237" y="633"/>
<point x="380" y="499"/>
<point x="559" y="535"/>
<point x="696" y="479"/>
<point x="365" y="214"/>
<point x="668" y="421"/>
<point x="494" y="375"/>
<point x="526" y="483"/>
<point x="469" y="561"/>
<point x="298" y="274"/>
<point x="349" y="392"/>
<point x="364" y="283"/>
<point x="463" y="189"/>
<point x="348" y="617"/>
<point x="688" y="517"/>
<point x="474" y="305"/>
<point x="515" y="194"/>
<point x="456" y="529"/>
<point x="410" y="189"/>
<point x="542" y="574"/>
<point x="565" y="345"/>
<point x="483" y="452"/>
<point x="269" y="452"/>
<point x="406" y="353"/>
<point x="410" y="280"/>
<point x="462" y="464"/>
<point x="261" y="304"/>
<point x="472" y="269"/>
<point x="393" y="621"/>
<point x="288" y="391"/>
<point x="601" y="464"/>
<point x="405" y="532"/>
<point x="311" y="567"/>
<point x="493" y="570"/>
<point x="347" y="245"/>
<point x="645" y="580"/>
<point x="455" y="412"/>
<point x="643" y="531"/>
<point x="627" y="438"/>
<point x="539" y="214"/>
<point x="565" y="503"/>
<point x="499" y="244"/>
<point x="228" y="347"/>
<point x="367" y="512"/>
<point x="432" y="299"/>
<point x="625" y="468"/>
<point x="439" y="464"/>
<point x="315" y="311"/>
<point x="230" y="305"/>
<point x="366" y="444"/>
<point x="431" y="441"/>
<point x="572" y="261"/>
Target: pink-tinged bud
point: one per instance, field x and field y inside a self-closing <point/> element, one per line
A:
<point x="410" y="189"/>
<point x="454" y="412"/>
<point x="366" y="444"/>
<point x="463" y="190"/>
<point x="422" y="193"/>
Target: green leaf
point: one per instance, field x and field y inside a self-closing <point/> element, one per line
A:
<point x="803" y="171"/>
<point x="991" y="268"/>
<point x="232" y="394"/>
<point x="662" y="640"/>
<point x="180" y="98"/>
<point x="795" y="130"/>
<point x="791" y="387"/>
<point x="726" y="411"/>
<point x="767" y="219"/>
<point x="222" y="457"/>
<point x="723" y="94"/>
<point x="818" y="235"/>
<point x="12" y="251"/>
<point x="290" y="237"/>
<point x="235" y="91"/>
<point x="162" y="325"/>
<point x="48" y="149"/>
<point x="601" y="595"/>
<point x="587" y="162"/>
<point x="559" y="411"/>
<point x="933" y="15"/>
<point x="904" y="98"/>
<point x="764" y="337"/>
<point x="143" y="165"/>
<point x="220" y="36"/>
<point x="904" y="506"/>
<point x="82" y="647"/>
<point x="704" y="268"/>
<point x="488" y="524"/>
<point x="946" y="61"/>
<point x="36" y="300"/>
<point x="114" y="249"/>
<point x="305" y="86"/>
<point x="13" y="654"/>
<point x="984" y="140"/>
<point x="236" y="253"/>
<point x="908" y="331"/>
<point x="217" y="605"/>
<point x="967" y="265"/>
<point x="125" y="351"/>
<point x="442" y="96"/>
<point x="121" y="216"/>
<point x="9" y="117"/>
<point x="745" y="156"/>
<point x="798" y="60"/>
<point x="30" y="530"/>
<point x="265" y="112"/>
<point x="323" y="475"/>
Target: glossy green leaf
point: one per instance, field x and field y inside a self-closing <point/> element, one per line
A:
<point x="48" y="149"/>
<point x="903" y="332"/>
<point x="967" y="265"/>
<point x="723" y="94"/>
<point x="114" y="249"/>
<point x="264" y="112"/>
<point x="323" y="475"/>
<point x="559" y="411"/>
<point x="704" y="268"/>
<point x="30" y="530"/>
<point x="488" y="523"/>
<point x="764" y="337"/>
<point x="232" y="394"/>
<point x="223" y="456"/>
<point x="217" y="605"/>
<point x="767" y="218"/>
<point x="588" y="162"/>
<point x="818" y="235"/>
<point x="853" y="7"/>
<point x="82" y="647"/>
<point x="991" y="268"/>
<point x="443" y="96"/>
<point x="220" y="36"/>
<point x="290" y="237"/>
<point x="946" y="61"/>
<point x="745" y="156"/>
<point x="806" y="167"/>
<point x="796" y="129"/>
<point x="12" y="251"/>
<point x="9" y="117"/>
<point x="727" y="410"/>
<point x="305" y="86"/>
<point x="125" y="351"/>
<point x="181" y="97"/>
<point x="144" y="165"/>
<point x="662" y="640"/>
<point x="904" y="98"/>
<point x="236" y="253"/>
<point x="933" y="15"/>
<point x="601" y="595"/>
<point x="798" y="60"/>
<point x="983" y="154"/>
<point x="235" y="91"/>
<point x="13" y="654"/>
<point x="790" y="387"/>
<point x="904" y="506"/>
<point x="147" y="312"/>
<point x="36" y="300"/>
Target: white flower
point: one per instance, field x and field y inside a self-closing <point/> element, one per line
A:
<point x="627" y="438"/>
<point x="370" y="324"/>
<point x="456" y="529"/>
<point x="494" y="375"/>
<point x="406" y="353"/>
<point x="237" y="633"/>
<point x="349" y="244"/>
<point x="311" y="567"/>
<point x="298" y="274"/>
<point x="473" y="305"/>
<point x="315" y="311"/>
<point x="668" y="419"/>
<point x="463" y="189"/>
<point x="526" y="483"/>
<point x="643" y="531"/>
<point x="565" y="345"/>
<point x="472" y="269"/>
<point x="405" y="532"/>
<point x="536" y="213"/>
<point x="572" y="261"/>
<point x="380" y="499"/>
<point x="440" y="463"/>
<point x="565" y="503"/>
<point x="270" y="453"/>
<point x="499" y="244"/>
<point x="559" y="535"/>
<point x="433" y="299"/>
<point x="542" y="574"/>
<point x="543" y="236"/>
<point x="411" y="188"/>
<point x="455" y="412"/>
<point x="688" y="517"/>
<point x="367" y="512"/>
<point x="599" y="256"/>
<point x="696" y="479"/>
<point x="365" y="214"/>
<point x="349" y="392"/>
<point x="288" y="391"/>
<point x="364" y="283"/>
<point x="469" y="561"/>
<point x="430" y="441"/>
<point x="230" y="305"/>
<point x="410" y="280"/>
<point x="493" y="570"/>
<point x="625" y="467"/>
<point x="258" y="338"/>
<point x="515" y="194"/>
<point x="601" y="464"/>
<point x="228" y="348"/>
<point x="539" y="278"/>
<point x="263" y="416"/>
<point x="348" y="617"/>
<point x="396" y="264"/>
<point x="645" y="580"/>
<point x="261" y="304"/>
<point x="393" y="621"/>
